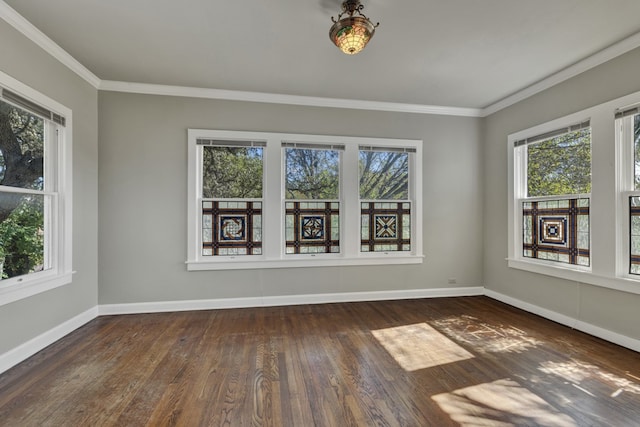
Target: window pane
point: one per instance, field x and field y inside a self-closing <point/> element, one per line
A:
<point x="312" y="227"/>
<point x="22" y="234"/>
<point x="557" y="230"/>
<point x="384" y="175"/>
<point x="385" y="227"/>
<point x="636" y="150"/>
<point x="21" y="148"/>
<point x="560" y="165"/>
<point x="634" y="235"/>
<point x="232" y="172"/>
<point x="312" y="174"/>
<point x="231" y="228"/>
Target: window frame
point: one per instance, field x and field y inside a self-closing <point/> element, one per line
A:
<point x="625" y="168"/>
<point x="609" y="215"/>
<point x="517" y="193"/>
<point x="58" y="166"/>
<point x="274" y="197"/>
<point x="521" y="165"/>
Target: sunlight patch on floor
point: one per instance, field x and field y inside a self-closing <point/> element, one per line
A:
<point x="500" y="403"/>
<point x="487" y="337"/>
<point x="579" y="373"/>
<point x="419" y="346"/>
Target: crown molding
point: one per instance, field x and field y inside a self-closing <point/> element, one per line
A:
<point x="27" y="29"/>
<point x="273" y="98"/>
<point x="606" y="54"/>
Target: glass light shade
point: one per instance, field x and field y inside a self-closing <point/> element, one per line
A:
<point x="352" y="34"/>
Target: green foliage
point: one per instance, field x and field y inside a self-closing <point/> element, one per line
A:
<point x="312" y="174"/>
<point x="232" y="172"/>
<point x="22" y="238"/>
<point x="384" y="175"/>
<point x="560" y="165"/>
<point x="21" y="216"/>
<point x="21" y="148"/>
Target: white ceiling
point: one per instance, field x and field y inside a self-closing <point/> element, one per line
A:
<point x="458" y="53"/>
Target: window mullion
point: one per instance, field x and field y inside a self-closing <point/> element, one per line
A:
<point x="520" y="192"/>
<point x="273" y="202"/>
<point x="625" y="183"/>
<point x="415" y="193"/>
<point x="350" y="202"/>
<point x="194" y="208"/>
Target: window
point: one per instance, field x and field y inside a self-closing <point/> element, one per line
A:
<point x="628" y="142"/>
<point x="264" y="200"/>
<point x="35" y="193"/>
<point x="384" y="199"/>
<point x="312" y="205"/>
<point x="553" y="193"/>
<point x="574" y="196"/>
<point x="231" y="197"/>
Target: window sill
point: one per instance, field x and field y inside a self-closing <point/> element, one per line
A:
<point x="304" y="261"/>
<point x="29" y="286"/>
<point x="578" y="274"/>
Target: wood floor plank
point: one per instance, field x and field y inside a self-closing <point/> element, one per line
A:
<point x="437" y="362"/>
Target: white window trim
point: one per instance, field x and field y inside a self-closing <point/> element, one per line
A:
<point x="625" y="189"/>
<point x="609" y="237"/>
<point x="273" y="189"/>
<point x="60" y="273"/>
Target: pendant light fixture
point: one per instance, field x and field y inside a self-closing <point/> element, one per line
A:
<point x="351" y="33"/>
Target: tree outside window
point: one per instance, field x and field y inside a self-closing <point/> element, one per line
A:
<point x="22" y="219"/>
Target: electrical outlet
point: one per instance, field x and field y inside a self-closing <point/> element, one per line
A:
<point x="452" y="280"/>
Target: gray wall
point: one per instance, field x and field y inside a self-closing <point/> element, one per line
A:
<point x="143" y="199"/>
<point x="609" y="309"/>
<point x="142" y="205"/>
<point x="22" y="320"/>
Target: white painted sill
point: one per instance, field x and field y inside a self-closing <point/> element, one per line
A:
<point x="578" y="274"/>
<point x="241" y="263"/>
<point x="29" y="286"/>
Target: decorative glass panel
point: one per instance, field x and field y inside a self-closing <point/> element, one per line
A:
<point x="385" y="226"/>
<point x="231" y="172"/>
<point x="560" y="165"/>
<point x="312" y="227"/>
<point x="384" y="175"/>
<point x="634" y="234"/>
<point x="557" y="230"/>
<point x="231" y="228"/>
<point x="312" y="174"/>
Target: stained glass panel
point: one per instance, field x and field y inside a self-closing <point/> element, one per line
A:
<point x="312" y="227"/>
<point x="385" y="226"/>
<point x="231" y="228"/>
<point x="634" y="235"/>
<point x="557" y="230"/>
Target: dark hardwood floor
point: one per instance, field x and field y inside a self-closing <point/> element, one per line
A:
<point x="434" y="362"/>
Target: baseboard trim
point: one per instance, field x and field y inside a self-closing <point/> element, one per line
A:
<point x="31" y="347"/>
<point x="34" y="345"/>
<point x="571" y="322"/>
<point x="272" y="301"/>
